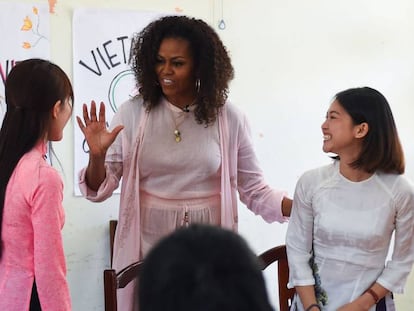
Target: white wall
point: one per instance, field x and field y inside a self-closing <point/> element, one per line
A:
<point x="290" y="58"/>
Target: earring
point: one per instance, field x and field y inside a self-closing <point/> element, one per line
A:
<point x="197" y="85"/>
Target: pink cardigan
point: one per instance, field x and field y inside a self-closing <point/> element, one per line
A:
<point x="238" y="162"/>
<point x="33" y="217"/>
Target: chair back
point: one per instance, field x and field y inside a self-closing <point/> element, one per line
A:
<point x="113" y="281"/>
<point x="112" y="228"/>
<point x="278" y="254"/>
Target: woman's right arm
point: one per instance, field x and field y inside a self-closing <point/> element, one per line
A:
<point x="299" y="240"/>
<point x="95" y="172"/>
<point x="99" y="139"/>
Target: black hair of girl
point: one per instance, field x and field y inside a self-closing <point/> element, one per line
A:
<point x="32" y="88"/>
<point x="208" y="268"/>
<point x="381" y="147"/>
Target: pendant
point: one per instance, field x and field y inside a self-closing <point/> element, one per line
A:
<point x="177" y="136"/>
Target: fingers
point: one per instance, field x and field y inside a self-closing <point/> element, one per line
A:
<point x="114" y="133"/>
<point x="94" y="127"/>
<point x="80" y="123"/>
<point x="93" y="112"/>
<point x="91" y="116"/>
<point x="102" y="113"/>
<point x="117" y="129"/>
<point x="86" y="114"/>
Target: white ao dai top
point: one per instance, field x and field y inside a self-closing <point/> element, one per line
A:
<point x="350" y="226"/>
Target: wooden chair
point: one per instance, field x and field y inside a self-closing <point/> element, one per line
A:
<point x="278" y="254"/>
<point x="113" y="281"/>
<point x="112" y="228"/>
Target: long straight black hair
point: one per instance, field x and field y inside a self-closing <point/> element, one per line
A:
<point x="32" y="89"/>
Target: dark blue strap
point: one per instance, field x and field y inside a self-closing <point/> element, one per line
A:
<point x="381" y="306"/>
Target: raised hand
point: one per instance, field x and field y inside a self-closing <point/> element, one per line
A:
<point x="94" y="129"/>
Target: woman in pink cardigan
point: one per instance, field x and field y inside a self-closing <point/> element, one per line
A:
<point x="39" y="100"/>
<point x="183" y="153"/>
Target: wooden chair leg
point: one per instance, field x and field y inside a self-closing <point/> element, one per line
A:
<point x="110" y="288"/>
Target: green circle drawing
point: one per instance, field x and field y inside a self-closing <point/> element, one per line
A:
<point x="113" y="86"/>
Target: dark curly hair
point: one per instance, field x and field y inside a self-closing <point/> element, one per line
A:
<point x="212" y="64"/>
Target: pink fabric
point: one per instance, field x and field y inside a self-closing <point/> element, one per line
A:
<point x="240" y="172"/>
<point x="33" y="217"/>
<point x="178" y="174"/>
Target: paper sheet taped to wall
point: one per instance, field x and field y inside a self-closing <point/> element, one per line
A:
<point x="101" y="71"/>
<point x="24" y="33"/>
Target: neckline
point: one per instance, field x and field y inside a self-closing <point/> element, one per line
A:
<point x="187" y="109"/>
<point x="351" y="181"/>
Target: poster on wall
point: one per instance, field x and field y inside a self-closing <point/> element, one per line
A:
<point x="101" y="71"/>
<point x="24" y="33"/>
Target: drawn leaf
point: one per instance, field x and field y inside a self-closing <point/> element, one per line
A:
<point x="35" y="10"/>
<point x="27" y="24"/>
<point x="26" y="45"/>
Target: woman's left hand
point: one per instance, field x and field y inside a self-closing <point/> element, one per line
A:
<point x="286" y="206"/>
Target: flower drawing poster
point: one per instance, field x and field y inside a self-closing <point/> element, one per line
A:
<point x="24" y="33"/>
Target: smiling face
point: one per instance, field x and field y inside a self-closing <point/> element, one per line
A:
<point x="175" y="71"/>
<point x="340" y="135"/>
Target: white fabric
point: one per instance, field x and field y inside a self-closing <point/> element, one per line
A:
<point x="351" y="225"/>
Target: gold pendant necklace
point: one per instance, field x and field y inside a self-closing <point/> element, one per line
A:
<point x="183" y="115"/>
<point x="177" y="135"/>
